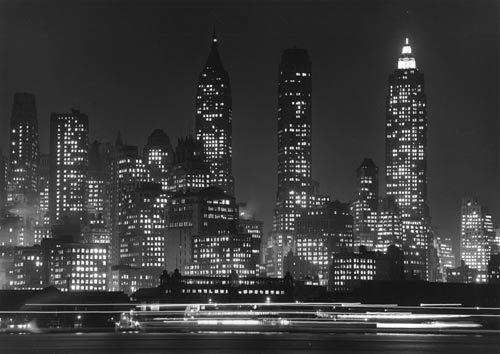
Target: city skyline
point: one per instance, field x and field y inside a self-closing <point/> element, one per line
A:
<point x="258" y="189"/>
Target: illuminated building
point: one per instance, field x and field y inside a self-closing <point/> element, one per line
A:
<point x="41" y="229"/>
<point x="127" y="170"/>
<point x="214" y="120"/>
<point x="158" y="156"/>
<point x="6" y="265"/>
<point x="78" y="266"/>
<point x="189" y="171"/>
<point x="349" y="269"/>
<point x="248" y="225"/>
<point x="142" y="232"/>
<point x="3" y="181"/>
<point x="221" y="254"/>
<point x="476" y="237"/>
<point x="497" y="239"/>
<point x="69" y="147"/>
<point x="27" y="268"/>
<point x="295" y="186"/>
<point x="445" y="252"/>
<point x="203" y="236"/>
<point x="322" y="232"/>
<point x="98" y="193"/>
<point x="364" y="208"/>
<point x="22" y="180"/>
<point x="12" y="230"/>
<point x="24" y="149"/>
<point x="389" y="226"/>
<point x="406" y="159"/>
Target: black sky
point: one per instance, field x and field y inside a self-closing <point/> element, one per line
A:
<point x="133" y="65"/>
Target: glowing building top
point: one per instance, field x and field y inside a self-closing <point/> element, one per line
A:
<point x="406" y="59"/>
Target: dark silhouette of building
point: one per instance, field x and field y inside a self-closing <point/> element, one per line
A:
<point x="364" y="207"/>
<point x="69" y="149"/>
<point x="494" y="269"/>
<point x="177" y="288"/>
<point x="406" y="158"/>
<point x="214" y="120"/>
<point x="295" y="185"/>
<point x="461" y="274"/>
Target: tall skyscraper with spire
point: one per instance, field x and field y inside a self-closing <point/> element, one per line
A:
<point x="24" y="149"/>
<point x="295" y="186"/>
<point x="214" y="119"/>
<point x="406" y="158"/>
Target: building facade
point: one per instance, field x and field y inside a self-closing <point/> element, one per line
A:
<point x="406" y="158"/>
<point x="364" y="207"/>
<point x="321" y="233"/>
<point x="476" y="237"/>
<point x="158" y="156"/>
<point x="214" y="120"/>
<point x="295" y="185"/>
<point x="69" y="147"/>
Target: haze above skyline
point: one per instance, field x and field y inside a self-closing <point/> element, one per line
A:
<point x="134" y="66"/>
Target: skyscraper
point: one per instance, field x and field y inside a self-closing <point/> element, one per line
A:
<point x="24" y="149"/>
<point x="365" y="205"/>
<point x="295" y="187"/>
<point x="406" y="158"/>
<point x="128" y="170"/>
<point x="477" y="237"/>
<point x="159" y="156"/>
<point x="69" y="148"/>
<point x="214" y="120"/>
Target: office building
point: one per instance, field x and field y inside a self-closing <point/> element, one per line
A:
<point x="159" y="156"/>
<point x="142" y="228"/>
<point x="69" y="148"/>
<point x="27" y="269"/>
<point x="364" y="207"/>
<point x="476" y="237"/>
<point x="24" y="150"/>
<point x="214" y="120"/>
<point x="322" y="232"/>
<point x="295" y="185"/>
<point x="189" y="172"/>
<point x="406" y="158"/>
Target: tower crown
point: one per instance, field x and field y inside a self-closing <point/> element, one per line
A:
<point x="406" y="59"/>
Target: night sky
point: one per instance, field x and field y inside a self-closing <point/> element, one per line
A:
<point x="134" y="65"/>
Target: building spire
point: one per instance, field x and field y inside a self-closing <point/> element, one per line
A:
<point x="214" y="36"/>
<point x="406" y="59"/>
<point x="214" y="60"/>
